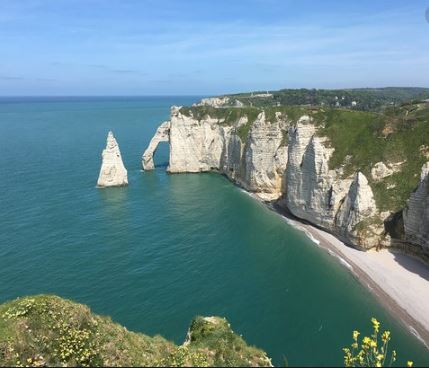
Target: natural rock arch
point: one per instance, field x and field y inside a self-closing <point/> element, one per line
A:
<point x="162" y="135"/>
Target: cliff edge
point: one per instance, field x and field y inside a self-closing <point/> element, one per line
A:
<point x="47" y="330"/>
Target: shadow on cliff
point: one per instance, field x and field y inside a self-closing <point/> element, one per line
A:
<point x="412" y="264"/>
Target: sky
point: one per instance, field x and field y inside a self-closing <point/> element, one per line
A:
<point x="191" y="47"/>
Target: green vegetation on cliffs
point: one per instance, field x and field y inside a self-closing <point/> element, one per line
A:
<point x="398" y="136"/>
<point x="50" y="331"/>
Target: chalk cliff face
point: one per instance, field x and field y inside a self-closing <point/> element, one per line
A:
<point x="195" y="145"/>
<point x="286" y="158"/>
<point x="112" y="172"/>
<point x="416" y="213"/>
<point x="265" y="157"/>
<point x="258" y="164"/>
<point x="322" y="196"/>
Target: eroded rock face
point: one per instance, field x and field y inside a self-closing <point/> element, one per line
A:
<point x="113" y="172"/>
<point x="416" y="212"/>
<point x="357" y="218"/>
<point x="280" y="158"/>
<point x="321" y="195"/>
<point x="265" y="158"/>
<point x="195" y="146"/>
<point x="162" y="135"/>
<point x="258" y="164"/>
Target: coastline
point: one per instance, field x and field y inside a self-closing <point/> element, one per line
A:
<point x="398" y="281"/>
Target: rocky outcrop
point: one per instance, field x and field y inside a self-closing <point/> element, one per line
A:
<point x="213" y="101"/>
<point x="112" y="172"/>
<point x="320" y="195"/>
<point x="257" y="161"/>
<point x="162" y="135"/>
<point x="265" y="158"/>
<point x="380" y="171"/>
<point x="416" y="213"/>
<point x="357" y="218"/>
<point x="195" y="145"/>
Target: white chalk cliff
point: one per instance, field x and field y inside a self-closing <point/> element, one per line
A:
<point x="287" y="160"/>
<point x="322" y="196"/>
<point x="112" y="172"/>
<point x="210" y="145"/>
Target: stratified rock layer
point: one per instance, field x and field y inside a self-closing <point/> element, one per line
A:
<point x="112" y="172"/>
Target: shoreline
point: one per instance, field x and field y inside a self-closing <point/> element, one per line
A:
<point x="399" y="281"/>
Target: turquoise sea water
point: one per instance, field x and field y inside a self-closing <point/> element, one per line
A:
<point x="168" y="247"/>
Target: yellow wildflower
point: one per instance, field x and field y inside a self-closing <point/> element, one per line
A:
<point x="375" y="324"/>
<point x="380" y="357"/>
<point x="386" y="336"/>
<point x="409" y="363"/>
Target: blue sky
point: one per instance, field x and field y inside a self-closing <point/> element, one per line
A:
<point x="170" y="47"/>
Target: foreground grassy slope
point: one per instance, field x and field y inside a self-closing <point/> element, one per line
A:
<point x="399" y="134"/>
<point x="50" y="331"/>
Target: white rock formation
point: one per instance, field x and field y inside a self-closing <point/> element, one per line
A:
<point x="416" y="212"/>
<point x="265" y="158"/>
<point x="162" y="135"/>
<point x="112" y="172"/>
<point x="320" y="195"/>
<point x="380" y="171"/>
<point x="357" y="209"/>
<point x="206" y="145"/>
<point x="213" y="102"/>
<point x="195" y="145"/>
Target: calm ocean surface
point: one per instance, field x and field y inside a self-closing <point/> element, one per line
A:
<point x="168" y="247"/>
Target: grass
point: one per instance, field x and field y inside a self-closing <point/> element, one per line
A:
<point x="46" y="330"/>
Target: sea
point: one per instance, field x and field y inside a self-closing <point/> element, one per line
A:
<point x="168" y="247"/>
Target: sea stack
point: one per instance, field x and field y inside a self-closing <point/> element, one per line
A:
<point x="113" y="172"/>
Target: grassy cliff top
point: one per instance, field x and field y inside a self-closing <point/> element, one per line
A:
<point x="365" y="99"/>
<point x="47" y="330"/>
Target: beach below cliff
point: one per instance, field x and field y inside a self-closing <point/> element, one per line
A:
<point x="400" y="282"/>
